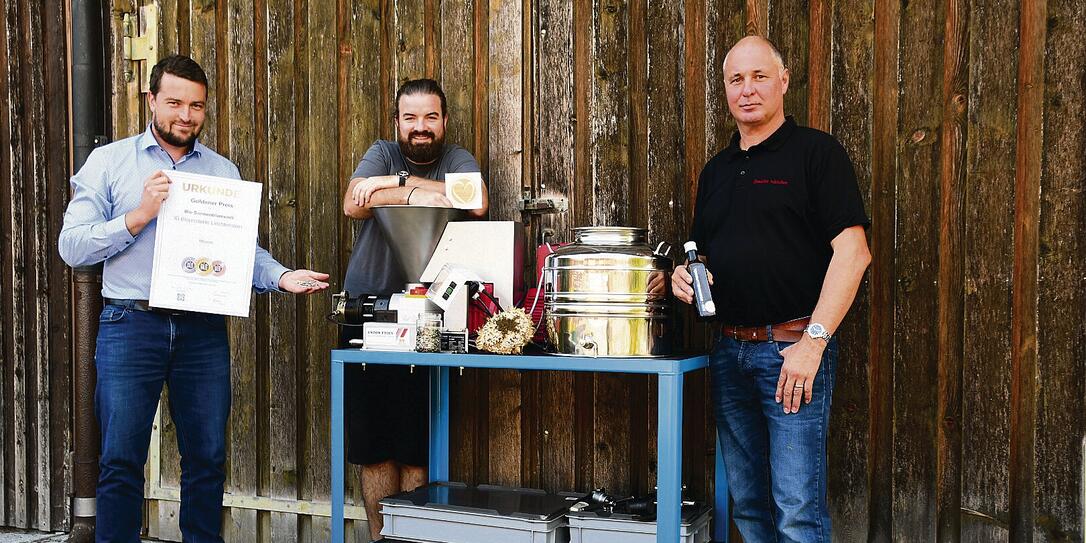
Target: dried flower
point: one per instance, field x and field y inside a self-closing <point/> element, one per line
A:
<point x="506" y="333"/>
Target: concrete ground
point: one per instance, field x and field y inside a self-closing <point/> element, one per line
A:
<point x="12" y="535"/>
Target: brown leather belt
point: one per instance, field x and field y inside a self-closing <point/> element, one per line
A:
<point x="791" y="331"/>
<point x="141" y="305"/>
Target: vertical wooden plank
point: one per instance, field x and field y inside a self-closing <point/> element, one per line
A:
<point x="7" y="450"/>
<point x="986" y="372"/>
<point x="949" y="332"/>
<point x="789" y="28"/>
<point x="237" y="143"/>
<point x="202" y="48"/>
<point x="433" y="31"/>
<point x="467" y="404"/>
<point x="54" y="25"/>
<point x="317" y="178"/>
<point x="610" y="168"/>
<point x="505" y="148"/>
<point x="757" y="21"/>
<point x="724" y="25"/>
<point x="505" y="92"/>
<point x="638" y="205"/>
<point x="15" y="271"/>
<point x="1027" y="254"/>
<point x="1061" y="270"/>
<point x="555" y="123"/>
<point x="410" y="41"/>
<point x="360" y="107"/>
<point x="457" y="70"/>
<point x="850" y="120"/>
<point x="915" y="370"/>
<point x="610" y="115"/>
<point x="610" y="463"/>
<point x="667" y="208"/>
<point x="665" y="193"/>
<point x="38" y="246"/>
<point x="820" y="60"/>
<point x="884" y="186"/>
<point x="126" y="100"/>
<point x="170" y="28"/>
<point x="481" y="103"/>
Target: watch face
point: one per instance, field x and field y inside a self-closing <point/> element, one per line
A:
<point x="816" y="330"/>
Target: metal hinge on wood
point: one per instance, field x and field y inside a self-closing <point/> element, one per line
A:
<point x="140" y="44"/>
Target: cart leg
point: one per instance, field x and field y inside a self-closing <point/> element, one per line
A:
<point x="439" y="424"/>
<point x="337" y="451"/>
<point x="721" y="520"/>
<point x="669" y="458"/>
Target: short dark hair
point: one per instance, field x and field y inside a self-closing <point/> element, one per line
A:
<point x="419" y="86"/>
<point x="180" y="66"/>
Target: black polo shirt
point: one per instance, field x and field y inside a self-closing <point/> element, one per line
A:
<point x="764" y="218"/>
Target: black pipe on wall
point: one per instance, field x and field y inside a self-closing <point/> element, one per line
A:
<point x="88" y="128"/>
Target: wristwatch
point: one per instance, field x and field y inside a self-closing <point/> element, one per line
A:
<point x="403" y="175"/>
<point x="817" y="331"/>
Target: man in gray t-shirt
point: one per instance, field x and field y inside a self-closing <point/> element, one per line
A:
<point x="387" y="406"/>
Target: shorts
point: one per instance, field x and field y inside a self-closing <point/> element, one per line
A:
<point x="387" y="412"/>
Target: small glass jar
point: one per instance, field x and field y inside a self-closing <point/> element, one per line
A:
<point x="428" y="333"/>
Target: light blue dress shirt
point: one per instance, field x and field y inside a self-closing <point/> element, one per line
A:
<point x="109" y="185"/>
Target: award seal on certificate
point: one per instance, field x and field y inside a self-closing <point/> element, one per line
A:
<point x="205" y="245"/>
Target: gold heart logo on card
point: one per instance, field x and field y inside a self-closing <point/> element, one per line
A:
<point x="464" y="191"/>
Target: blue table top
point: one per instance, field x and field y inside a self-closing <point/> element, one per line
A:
<point x="548" y="362"/>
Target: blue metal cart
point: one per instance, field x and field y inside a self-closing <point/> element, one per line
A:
<point x="670" y="415"/>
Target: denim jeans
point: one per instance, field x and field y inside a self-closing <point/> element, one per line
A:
<point x="775" y="462"/>
<point x="137" y="352"/>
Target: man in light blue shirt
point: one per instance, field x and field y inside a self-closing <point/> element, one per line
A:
<point x="111" y="218"/>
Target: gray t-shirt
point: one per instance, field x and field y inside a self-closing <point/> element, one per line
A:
<point x="372" y="268"/>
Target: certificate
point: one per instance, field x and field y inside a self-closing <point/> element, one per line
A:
<point x="205" y="245"/>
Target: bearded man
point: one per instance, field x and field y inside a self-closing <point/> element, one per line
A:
<point x="112" y="218"/>
<point x="388" y="406"/>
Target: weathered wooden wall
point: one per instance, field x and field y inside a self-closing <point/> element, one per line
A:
<point x="35" y="438"/>
<point x="959" y="400"/>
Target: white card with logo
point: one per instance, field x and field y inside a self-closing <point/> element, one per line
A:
<point x="205" y="245"/>
<point x="464" y="190"/>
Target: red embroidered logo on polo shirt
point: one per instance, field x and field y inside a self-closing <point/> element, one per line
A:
<point x="770" y="182"/>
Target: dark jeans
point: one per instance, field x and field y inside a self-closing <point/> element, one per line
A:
<point x="776" y="463"/>
<point x="137" y="352"/>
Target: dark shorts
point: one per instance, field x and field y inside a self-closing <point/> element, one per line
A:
<point x="387" y="412"/>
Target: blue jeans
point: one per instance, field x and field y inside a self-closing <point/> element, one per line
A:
<point x="775" y="463"/>
<point x="137" y="352"/>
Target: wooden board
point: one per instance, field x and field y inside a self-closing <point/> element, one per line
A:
<point x="986" y="371"/>
<point x="915" y="373"/>
<point x="1058" y="450"/>
<point x="884" y="182"/>
<point x="850" y="121"/>
<point x="15" y="273"/>
<point x="789" y="29"/>
<point x="238" y="144"/>
<point x="57" y="168"/>
<point x="317" y="169"/>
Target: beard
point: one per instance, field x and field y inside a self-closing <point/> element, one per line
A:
<point x="172" y="138"/>
<point x="421" y="153"/>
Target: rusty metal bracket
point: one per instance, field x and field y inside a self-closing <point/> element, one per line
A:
<point x="543" y="206"/>
<point x="140" y="44"/>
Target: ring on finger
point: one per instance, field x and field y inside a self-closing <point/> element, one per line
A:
<point x="799" y="385"/>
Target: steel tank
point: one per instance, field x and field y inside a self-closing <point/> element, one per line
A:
<point x="608" y="294"/>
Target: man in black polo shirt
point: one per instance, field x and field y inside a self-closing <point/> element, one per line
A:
<point x="780" y="223"/>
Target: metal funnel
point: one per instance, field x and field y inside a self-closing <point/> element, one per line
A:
<point x="413" y="233"/>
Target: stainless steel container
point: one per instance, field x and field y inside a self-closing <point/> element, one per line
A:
<point x="607" y="295"/>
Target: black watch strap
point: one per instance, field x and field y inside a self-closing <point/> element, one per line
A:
<point x="403" y="177"/>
